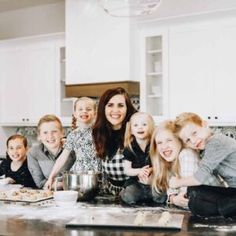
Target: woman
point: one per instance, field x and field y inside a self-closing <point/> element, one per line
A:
<point x="114" y="110"/>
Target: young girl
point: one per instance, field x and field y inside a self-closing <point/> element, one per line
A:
<point x="137" y="162"/>
<point x="80" y="141"/>
<point x="114" y="110"/>
<point x="42" y="157"/>
<point x="170" y="159"/>
<point x="14" y="167"/>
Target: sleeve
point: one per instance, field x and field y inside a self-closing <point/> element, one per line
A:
<point x="69" y="144"/>
<point x="35" y="169"/>
<point x="189" y="161"/>
<point x="3" y="167"/>
<point x="128" y="154"/>
<point x="216" y="151"/>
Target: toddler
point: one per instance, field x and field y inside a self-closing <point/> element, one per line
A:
<point x="80" y="140"/>
<point x="137" y="163"/>
<point x="42" y="157"/>
<point x="218" y="157"/>
<point x="14" y="167"/>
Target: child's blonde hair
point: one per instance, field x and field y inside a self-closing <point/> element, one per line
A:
<point x="185" y="118"/>
<point x="162" y="168"/>
<point x="129" y="137"/>
<point x="86" y="99"/>
<point x="49" y="118"/>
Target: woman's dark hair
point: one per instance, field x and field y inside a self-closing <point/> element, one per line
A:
<point x="102" y="129"/>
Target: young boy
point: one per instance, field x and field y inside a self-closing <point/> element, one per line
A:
<point x="41" y="157"/>
<point x="218" y="157"/>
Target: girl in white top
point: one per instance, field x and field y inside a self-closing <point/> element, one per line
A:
<point x="169" y="158"/>
<point x="80" y="141"/>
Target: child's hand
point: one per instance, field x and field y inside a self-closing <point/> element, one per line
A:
<point x="7" y="180"/>
<point x="48" y="184"/>
<point x="174" y="182"/>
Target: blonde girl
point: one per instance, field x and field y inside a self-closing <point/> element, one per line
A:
<point x="79" y="140"/>
<point x="137" y="163"/>
<point x="169" y="158"/>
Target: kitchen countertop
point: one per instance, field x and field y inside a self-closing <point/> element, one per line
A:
<point x="48" y="219"/>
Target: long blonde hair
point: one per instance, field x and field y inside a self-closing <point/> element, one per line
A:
<point x="128" y="135"/>
<point x="161" y="168"/>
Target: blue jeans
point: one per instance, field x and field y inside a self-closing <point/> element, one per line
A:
<point x="140" y="193"/>
<point x="212" y="201"/>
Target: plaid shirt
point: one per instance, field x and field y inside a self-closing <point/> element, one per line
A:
<point x="114" y="167"/>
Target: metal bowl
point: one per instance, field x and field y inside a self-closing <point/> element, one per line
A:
<point x="85" y="183"/>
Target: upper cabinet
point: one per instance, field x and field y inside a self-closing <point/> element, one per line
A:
<point x="154" y="80"/>
<point x="31" y="84"/>
<point x="97" y="44"/>
<point x="202" y="70"/>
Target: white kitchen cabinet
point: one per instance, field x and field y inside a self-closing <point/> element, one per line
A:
<point x="29" y="79"/>
<point x="97" y="44"/>
<point x="202" y="72"/>
<point x="153" y="81"/>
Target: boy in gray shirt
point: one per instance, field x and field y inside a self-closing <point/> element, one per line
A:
<point x="218" y="158"/>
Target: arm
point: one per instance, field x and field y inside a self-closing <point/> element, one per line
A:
<point x="60" y="162"/>
<point x="135" y="171"/>
<point x="183" y="182"/>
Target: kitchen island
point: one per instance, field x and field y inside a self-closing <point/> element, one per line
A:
<point x="48" y="219"/>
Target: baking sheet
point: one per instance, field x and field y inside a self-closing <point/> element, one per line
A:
<point x="24" y="196"/>
<point x="125" y="218"/>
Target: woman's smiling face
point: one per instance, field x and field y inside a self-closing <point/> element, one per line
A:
<point x="116" y="110"/>
<point x="168" y="145"/>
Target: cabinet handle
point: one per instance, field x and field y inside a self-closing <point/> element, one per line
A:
<point x="27" y="119"/>
<point x="208" y="117"/>
<point x="216" y="117"/>
<point x="23" y="119"/>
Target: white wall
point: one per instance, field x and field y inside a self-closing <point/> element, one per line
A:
<point x="31" y="21"/>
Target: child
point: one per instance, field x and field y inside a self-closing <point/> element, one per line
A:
<point x="218" y="157"/>
<point x="168" y="159"/>
<point x="14" y="167"/>
<point x="80" y="140"/>
<point x="42" y="156"/>
<point x="137" y="163"/>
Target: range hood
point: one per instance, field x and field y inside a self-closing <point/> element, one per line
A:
<point x="97" y="89"/>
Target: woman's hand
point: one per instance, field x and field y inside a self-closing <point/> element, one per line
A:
<point x="144" y="172"/>
<point x="180" y="200"/>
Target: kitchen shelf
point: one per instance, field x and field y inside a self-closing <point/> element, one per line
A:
<point x="154" y="51"/>
<point x="154" y="73"/>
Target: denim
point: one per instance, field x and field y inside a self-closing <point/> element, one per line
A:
<point x="212" y="201"/>
<point x="140" y="193"/>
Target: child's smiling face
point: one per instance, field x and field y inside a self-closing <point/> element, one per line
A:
<point x="16" y="150"/>
<point x="50" y="135"/>
<point x="85" y="112"/>
<point x="168" y="145"/>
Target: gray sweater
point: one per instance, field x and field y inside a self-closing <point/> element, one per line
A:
<point x="219" y="158"/>
<point x="41" y="162"/>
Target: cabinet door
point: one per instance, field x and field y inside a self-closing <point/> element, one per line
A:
<point x="41" y="80"/>
<point x="225" y="74"/>
<point x="15" y="93"/>
<point x="28" y="80"/>
<point x="190" y="72"/>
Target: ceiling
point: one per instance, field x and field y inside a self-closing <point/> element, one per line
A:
<point x="167" y="8"/>
<point x="10" y="5"/>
